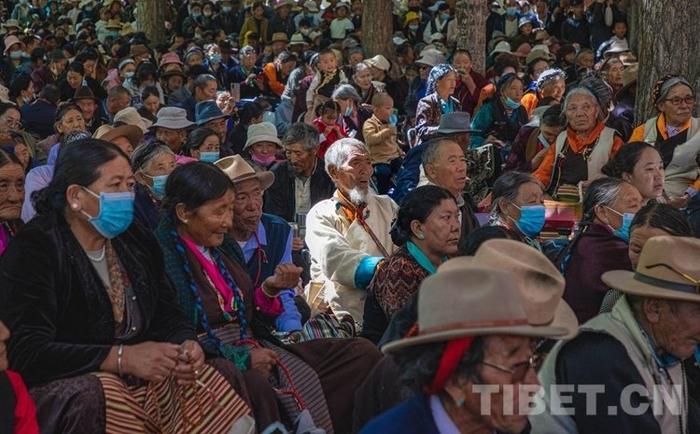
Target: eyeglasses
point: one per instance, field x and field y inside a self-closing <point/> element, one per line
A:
<point x="676" y="101"/>
<point x="519" y="370"/>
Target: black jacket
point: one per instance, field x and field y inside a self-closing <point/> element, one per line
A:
<point x="279" y="198"/>
<point x="58" y="311"/>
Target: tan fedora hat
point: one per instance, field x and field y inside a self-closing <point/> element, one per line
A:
<point x="539" y="281"/>
<point x="236" y="168"/>
<point x="468" y="301"/>
<point x="668" y="268"/>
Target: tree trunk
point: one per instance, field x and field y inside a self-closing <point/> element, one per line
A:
<point x="668" y="37"/>
<point x="150" y="19"/>
<point x="471" y="30"/>
<point x="377" y="31"/>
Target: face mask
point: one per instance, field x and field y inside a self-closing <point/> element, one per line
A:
<point x="215" y="58"/>
<point x="16" y="55"/>
<point x="196" y="14"/>
<point x="543" y="140"/>
<point x="226" y="9"/>
<point x="264" y="160"/>
<point x="28" y="99"/>
<point x="623" y="232"/>
<point x="116" y="213"/>
<point x="209" y="157"/>
<point x="413" y="27"/>
<point x="512" y="12"/>
<point x="129" y="74"/>
<point x="348" y="111"/>
<point x="444" y="17"/>
<point x="269" y="117"/>
<point x="393" y="119"/>
<point x="158" y="187"/>
<point x="511" y="104"/>
<point x="531" y="219"/>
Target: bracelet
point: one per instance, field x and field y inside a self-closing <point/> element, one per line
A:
<point x="120" y="355"/>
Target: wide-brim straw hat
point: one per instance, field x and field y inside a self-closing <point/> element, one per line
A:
<point x="667" y="269"/>
<point x="238" y="170"/>
<point x="470" y="301"/>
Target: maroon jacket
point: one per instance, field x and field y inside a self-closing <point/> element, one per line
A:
<point x="595" y="252"/>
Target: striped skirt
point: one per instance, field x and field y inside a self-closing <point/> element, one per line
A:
<point x="211" y="406"/>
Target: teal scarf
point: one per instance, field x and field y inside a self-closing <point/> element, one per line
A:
<point x="421" y="258"/>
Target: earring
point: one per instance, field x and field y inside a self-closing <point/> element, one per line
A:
<point x="74" y="206"/>
<point x="186" y="222"/>
<point x="459" y="401"/>
<point x="420" y="236"/>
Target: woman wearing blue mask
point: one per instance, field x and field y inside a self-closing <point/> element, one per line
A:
<point x="600" y="243"/>
<point x="151" y="163"/>
<point x="352" y="113"/>
<point x="500" y="118"/>
<point x="517" y="204"/>
<point x="203" y="144"/>
<point x="94" y="322"/>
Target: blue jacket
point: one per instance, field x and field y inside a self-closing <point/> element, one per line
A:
<point x="410" y="417"/>
<point x="409" y="174"/>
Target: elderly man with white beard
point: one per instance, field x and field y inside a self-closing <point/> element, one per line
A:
<point x="348" y="234"/>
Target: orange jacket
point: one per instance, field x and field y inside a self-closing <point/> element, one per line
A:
<point x="639" y="133"/>
<point x="578" y="145"/>
<point x="270" y="72"/>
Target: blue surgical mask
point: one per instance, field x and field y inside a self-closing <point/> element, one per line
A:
<point x="16" y="55"/>
<point x="209" y="157"/>
<point x="511" y="104"/>
<point x="512" y="12"/>
<point x="348" y="111"/>
<point x="623" y="232"/>
<point x="413" y="27"/>
<point x="158" y="187"/>
<point x="196" y="14"/>
<point x="226" y="9"/>
<point x="543" y="140"/>
<point x="444" y="17"/>
<point x="215" y="58"/>
<point x="531" y="219"/>
<point x="116" y="213"/>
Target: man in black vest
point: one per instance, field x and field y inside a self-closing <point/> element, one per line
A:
<point x="301" y="181"/>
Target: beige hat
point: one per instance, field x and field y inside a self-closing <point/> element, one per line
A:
<point x="262" y="132"/>
<point x="668" y="269"/>
<point x="431" y="57"/>
<point x="537" y="278"/>
<point x="10" y="41"/>
<point x="280" y="37"/>
<point x="468" y="301"/>
<point x="131" y="116"/>
<point x="238" y="170"/>
<point x="108" y="133"/>
<point x="501" y="47"/>
<point x="379" y="62"/>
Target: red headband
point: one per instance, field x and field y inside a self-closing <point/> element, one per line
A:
<point x="451" y="355"/>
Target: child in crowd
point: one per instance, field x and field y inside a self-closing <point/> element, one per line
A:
<point x="341" y="25"/>
<point x="326" y="79"/>
<point x="329" y="129"/>
<point x="619" y="39"/>
<point x="380" y="136"/>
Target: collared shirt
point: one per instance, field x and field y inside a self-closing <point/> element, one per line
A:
<point x="442" y="420"/>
